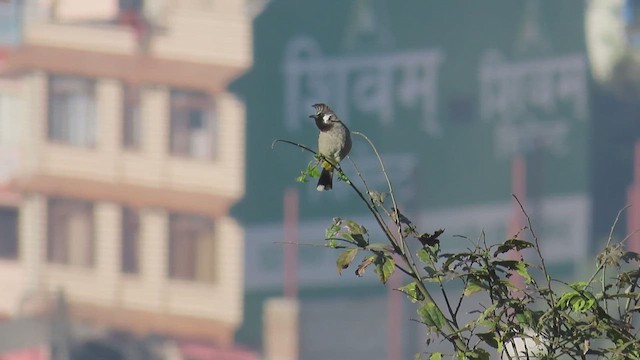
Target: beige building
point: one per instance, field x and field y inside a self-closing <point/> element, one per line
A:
<point x="120" y="155"/>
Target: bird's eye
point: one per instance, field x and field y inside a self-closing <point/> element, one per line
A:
<point x="326" y="117"/>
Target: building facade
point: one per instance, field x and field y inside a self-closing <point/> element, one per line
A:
<point x="121" y="155"/>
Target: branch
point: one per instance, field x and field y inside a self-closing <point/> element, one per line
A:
<point x="273" y="145"/>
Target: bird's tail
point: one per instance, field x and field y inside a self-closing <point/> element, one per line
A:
<point x="325" y="182"/>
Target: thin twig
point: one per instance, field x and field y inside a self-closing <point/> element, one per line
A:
<point x="396" y="218"/>
<point x="413" y="272"/>
<point x="609" y="239"/>
<point x="273" y="145"/>
<point x="366" y="186"/>
<point x="405" y="271"/>
<point x="538" y="249"/>
<point x="297" y="243"/>
<point x="364" y="182"/>
<point x="384" y="172"/>
<point x="405" y="251"/>
<point x="615" y="223"/>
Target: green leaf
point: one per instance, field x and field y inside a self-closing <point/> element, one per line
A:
<point x="398" y="217"/>
<point x="354" y="228"/>
<point x="433" y="275"/>
<point x="566" y="299"/>
<point x="333" y="229"/>
<point x="578" y="305"/>
<point x="427" y="239"/>
<point x="377" y="197"/>
<point x="512" y="244"/>
<point x="527" y="318"/>
<point x="331" y="243"/>
<point x="479" y="354"/>
<point x="412" y="291"/>
<point x="359" y="240"/>
<point x="578" y="285"/>
<point x="431" y="315"/>
<point x="473" y="286"/>
<point x="508" y="264"/>
<point x="459" y="258"/>
<point x="364" y="264"/>
<point x="385" y="266"/>
<point x="487" y="313"/>
<point x="302" y="178"/>
<point x="314" y="172"/>
<point x="630" y="256"/>
<point x="436" y="356"/>
<point x="345" y="259"/>
<point x="426" y="256"/>
<point x="310" y="171"/>
<point x="343" y="177"/>
<point x="355" y="233"/>
<point x="490" y="338"/>
<point x="380" y="247"/>
<point x="521" y="269"/>
<point x="578" y="301"/>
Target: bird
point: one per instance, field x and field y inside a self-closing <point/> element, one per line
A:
<point x="334" y="143"/>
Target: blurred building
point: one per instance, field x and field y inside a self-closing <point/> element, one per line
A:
<point x="121" y="153"/>
<point x="613" y="39"/>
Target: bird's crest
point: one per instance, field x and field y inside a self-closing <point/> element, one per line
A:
<point x="323" y="109"/>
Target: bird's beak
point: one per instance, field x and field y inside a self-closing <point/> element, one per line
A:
<point x="312" y="116"/>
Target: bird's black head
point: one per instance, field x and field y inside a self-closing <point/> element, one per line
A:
<point x="324" y="117"/>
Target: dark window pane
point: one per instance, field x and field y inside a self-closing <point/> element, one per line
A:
<point x="70" y="232"/>
<point x="130" y="240"/>
<point x="193" y="125"/>
<point x="72" y="111"/>
<point x="131" y="126"/>
<point x="191" y="248"/>
<point x="196" y="119"/>
<point x="8" y="233"/>
<point x="124" y="5"/>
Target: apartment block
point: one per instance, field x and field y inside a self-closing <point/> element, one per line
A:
<point x="121" y="153"/>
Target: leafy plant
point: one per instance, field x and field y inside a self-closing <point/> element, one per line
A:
<point x="545" y="318"/>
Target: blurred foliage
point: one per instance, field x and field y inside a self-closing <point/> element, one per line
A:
<point x="535" y="316"/>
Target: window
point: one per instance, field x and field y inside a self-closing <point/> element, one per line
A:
<point x="191" y="248"/>
<point x="10" y="18"/>
<point x="131" y="117"/>
<point x="8" y="233"/>
<point x="193" y="125"/>
<point x="130" y="241"/>
<point x="71" y="236"/>
<point x="72" y="110"/>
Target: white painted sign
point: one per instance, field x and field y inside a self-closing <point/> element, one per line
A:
<point x="374" y="84"/>
<point x="533" y="103"/>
